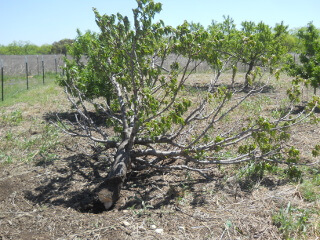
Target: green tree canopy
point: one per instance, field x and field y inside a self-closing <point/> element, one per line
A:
<point x="61" y="47"/>
<point x="143" y="112"/>
<point x="24" y="48"/>
<point x="309" y="68"/>
<point x="254" y="45"/>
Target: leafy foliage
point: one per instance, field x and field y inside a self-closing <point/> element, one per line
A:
<point x="61" y="47"/>
<point x="309" y="68"/>
<point x="120" y="73"/>
<point x="255" y="45"/>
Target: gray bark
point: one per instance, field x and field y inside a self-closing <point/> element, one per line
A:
<point x="117" y="175"/>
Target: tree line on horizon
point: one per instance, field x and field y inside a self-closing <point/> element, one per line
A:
<point x="292" y="41"/>
<point x="28" y="48"/>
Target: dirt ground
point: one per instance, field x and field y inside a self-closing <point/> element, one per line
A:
<point x="54" y="202"/>
<point x="56" y="199"/>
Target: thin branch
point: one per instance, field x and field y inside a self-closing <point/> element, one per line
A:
<point x="176" y="167"/>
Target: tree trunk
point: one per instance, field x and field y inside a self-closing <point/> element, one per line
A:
<point x="246" y="82"/>
<point x="111" y="188"/>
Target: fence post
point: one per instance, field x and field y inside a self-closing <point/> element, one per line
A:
<point x="42" y="71"/>
<point x="2" y="80"/>
<point x="27" y="73"/>
<point x="55" y="64"/>
<point x="38" y="68"/>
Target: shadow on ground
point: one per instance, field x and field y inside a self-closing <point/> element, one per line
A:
<point x="75" y="183"/>
<point x="73" y="117"/>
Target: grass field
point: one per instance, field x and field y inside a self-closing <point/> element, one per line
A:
<point x="46" y="182"/>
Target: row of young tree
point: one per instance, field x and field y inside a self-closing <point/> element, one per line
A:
<point x="27" y="48"/>
<point x="143" y="115"/>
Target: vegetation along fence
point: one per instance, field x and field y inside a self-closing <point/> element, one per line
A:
<point x="20" y="72"/>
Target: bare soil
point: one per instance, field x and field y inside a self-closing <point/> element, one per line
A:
<point x="56" y="199"/>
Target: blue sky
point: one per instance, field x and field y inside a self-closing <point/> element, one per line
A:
<point x="46" y="21"/>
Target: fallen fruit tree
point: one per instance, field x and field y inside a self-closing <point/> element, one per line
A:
<point x="145" y="112"/>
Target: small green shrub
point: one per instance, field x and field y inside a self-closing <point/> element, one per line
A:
<point x="292" y="222"/>
<point x="256" y="170"/>
<point x="5" y="158"/>
<point x="293" y="173"/>
<point x="310" y="189"/>
<point x="13" y="118"/>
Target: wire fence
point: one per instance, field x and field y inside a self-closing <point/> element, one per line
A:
<point x="20" y="72"/>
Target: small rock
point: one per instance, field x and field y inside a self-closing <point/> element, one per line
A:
<point x="153" y="226"/>
<point x="159" y="230"/>
<point x="125" y="223"/>
<point x="141" y="228"/>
